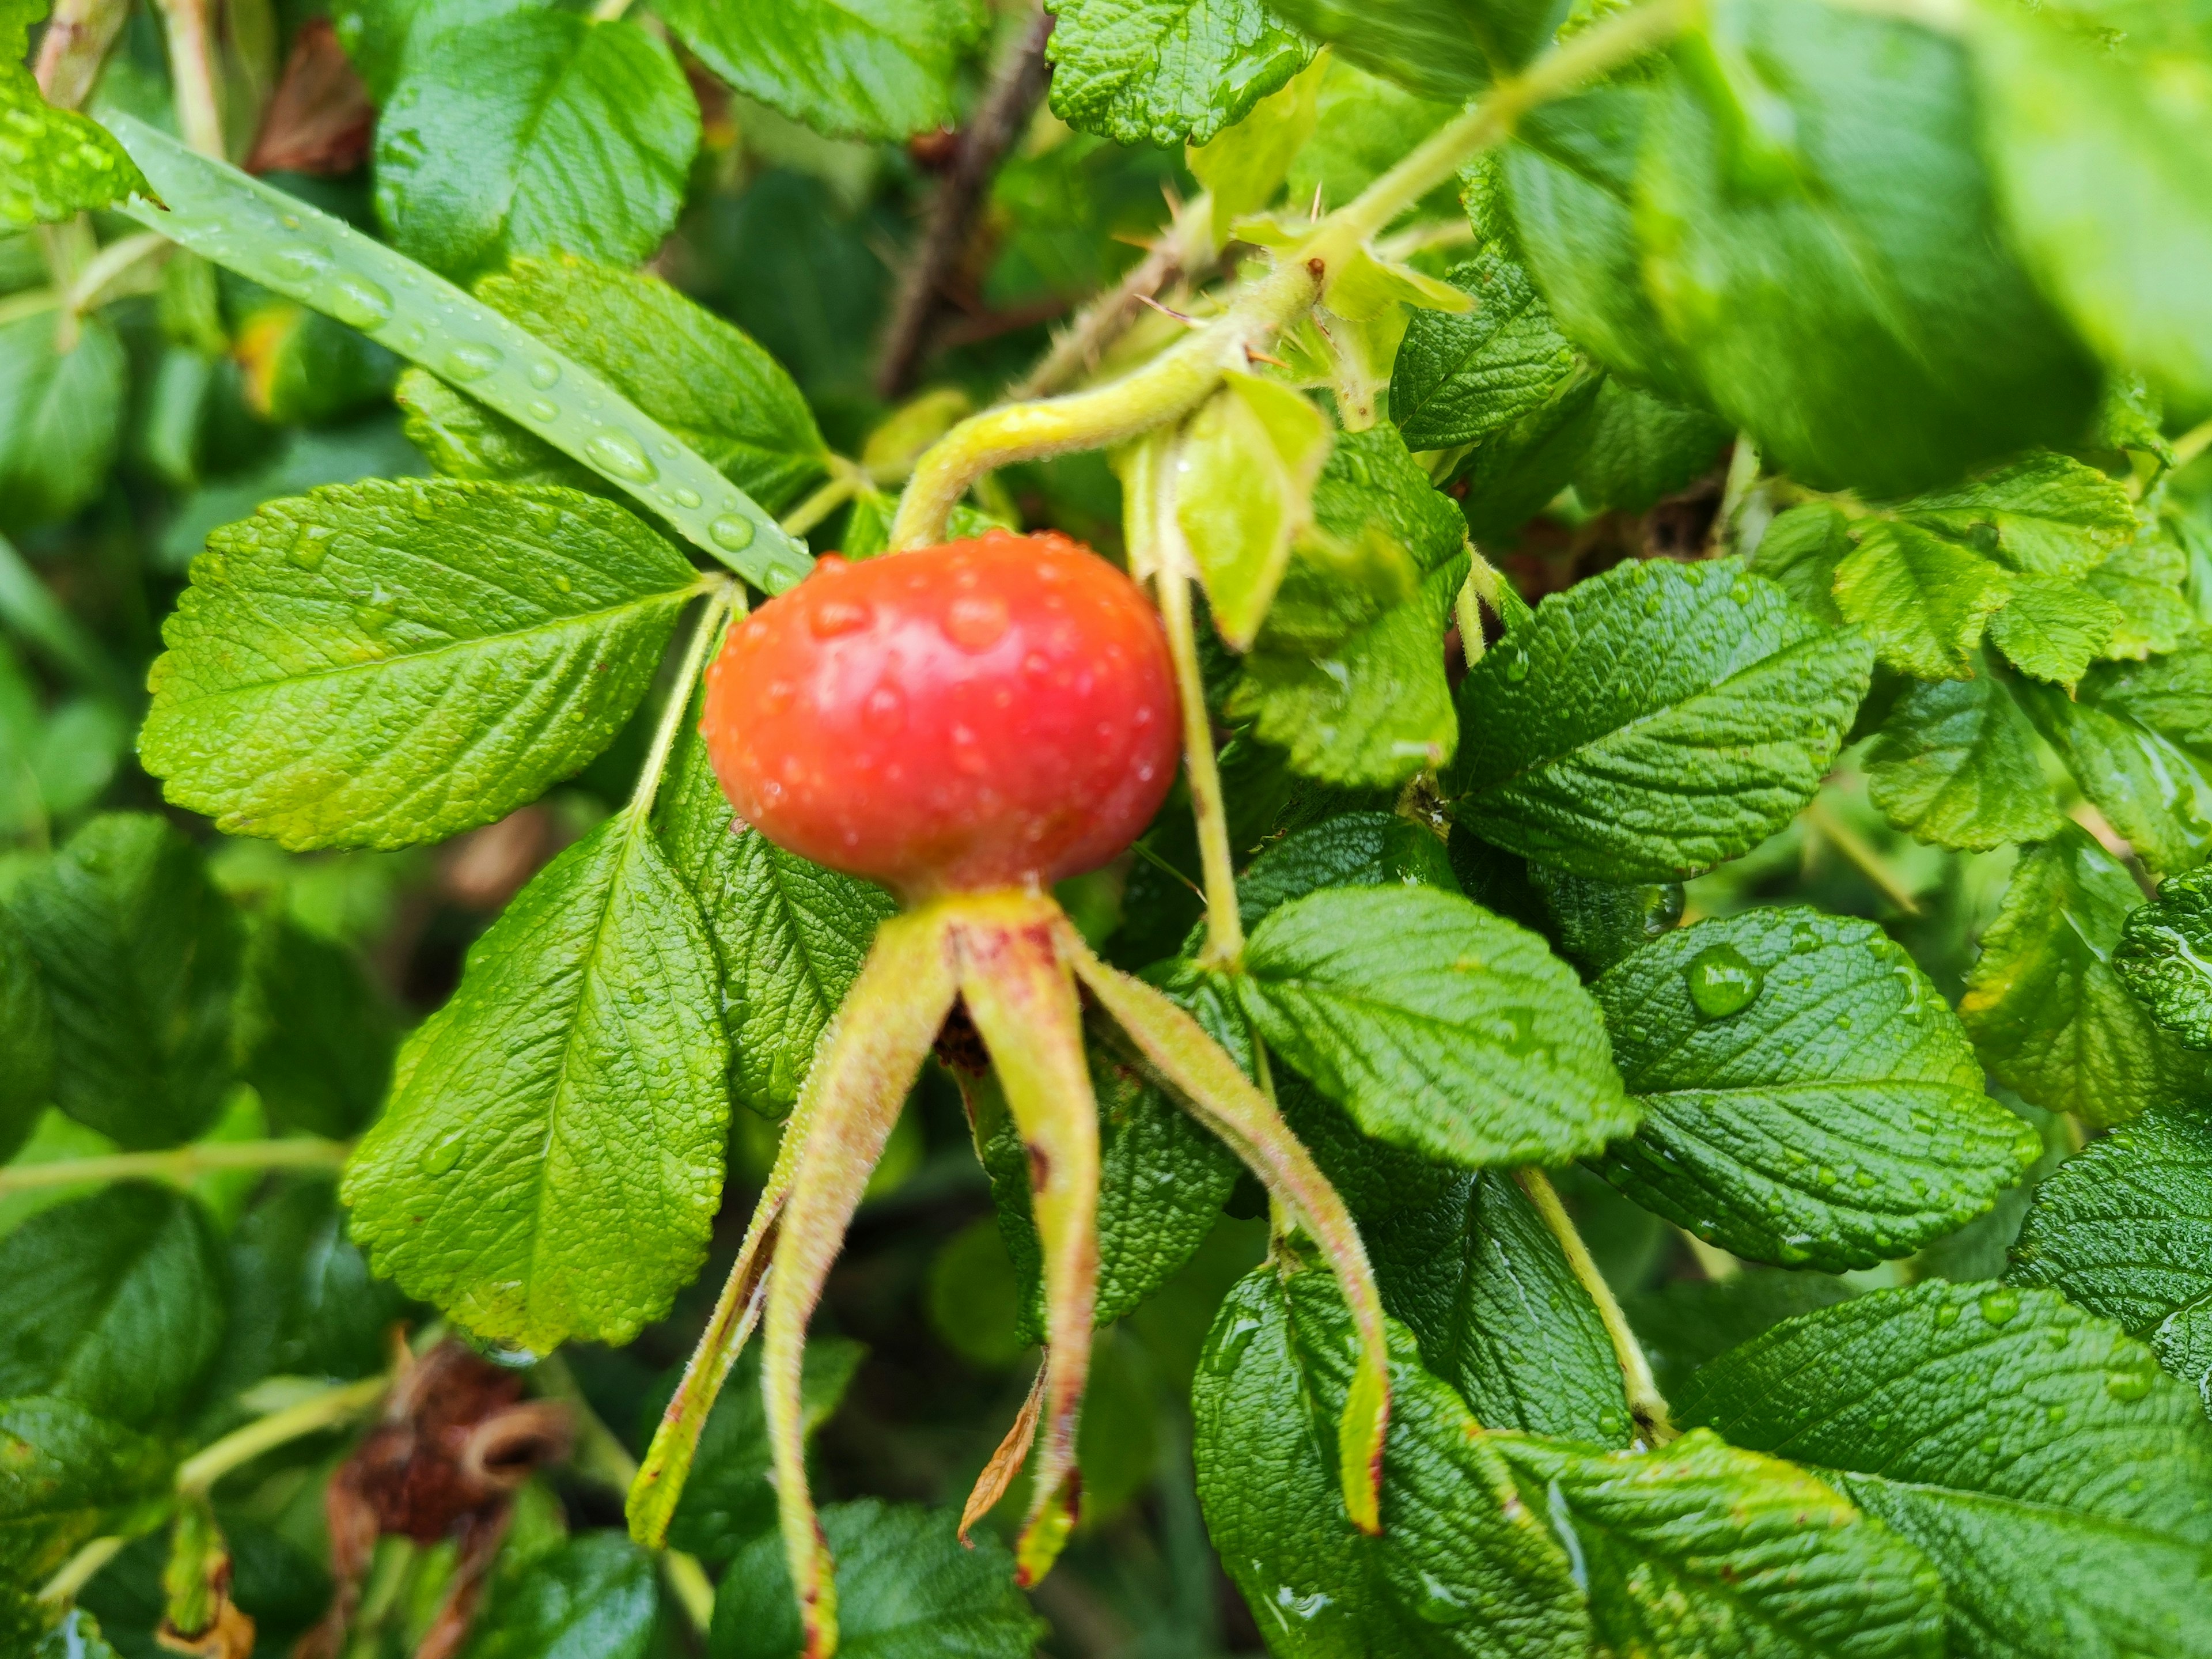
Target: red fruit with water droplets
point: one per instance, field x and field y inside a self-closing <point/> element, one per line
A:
<point x="978" y="714"/>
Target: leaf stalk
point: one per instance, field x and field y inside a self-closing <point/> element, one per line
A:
<point x="180" y="1164"/>
<point x="1646" y="1403"/>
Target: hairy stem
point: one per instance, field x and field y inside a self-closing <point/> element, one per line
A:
<point x="1209" y="806"/>
<point x="197" y="1474"/>
<point x="180" y="1164"/>
<point x="1187" y="248"/>
<point x="77" y="41"/>
<point x="1646" y="1403"/>
<point x="1183" y="376"/>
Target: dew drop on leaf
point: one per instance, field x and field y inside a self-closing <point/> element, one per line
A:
<point x="1999" y="1307"/>
<point x="1439" y="1605"/>
<point x="686" y="497"/>
<point x="356" y="302"/>
<point x="472" y="362"/>
<point x="1226" y="1350"/>
<point x="543" y="409"/>
<point x="1946" y="1316"/>
<point x="618" y="454"/>
<point x="732" y="532"/>
<point x="1723" y="982"/>
<point x="439" y="1156"/>
<point x="543" y="375"/>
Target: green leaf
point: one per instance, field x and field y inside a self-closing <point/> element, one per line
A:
<point x="2137" y="737"/>
<point x="316" y="1033"/>
<point x="1372" y="485"/>
<point x="2063" y="1489"/>
<point x="27" y="1037"/>
<point x="789" y="935"/>
<point x="116" y="1302"/>
<point x="1244" y="168"/>
<point x="1374" y="710"/>
<point x="2050" y="1018"/>
<point x="1463" y="1562"/>
<point x="2042" y="514"/>
<point x="1699" y="1548"/>
<point x="535" y="132"/>
<point x="1570" y="180"/>
<point x="1245" y="471"/>
<point x="1443" y="1029"/>
<point x="710" y="384"/>
<point x="61" y="417"/>
<point x="728" y="1499"/>
<point x="2125" y="1230"/>
<point x="2162" y="956"/>
<point x="2053" y="629"/>
<point x="1840" y="147"/>
<point x="551" y="1160"/>
<point x="905" y="1589"/>
<point x="1653" y="722"/>
<point x="1162" y="1180"/>
<point x="1515" y="472"/>
<point x="1364" y="124"/>
<point x="1447" y="50"/>
<point x="2099" y="143"/>
<point x="462" y="438"/>
<point x="302" y="1300"/>
<point x="1166" y="71"/>
<point x="59" y="163"/>
<point x="387" y="663"/>
<point x="1353" y="849"/>
<point x="1808" y="1098"/>
<point x="592" y="1596"/>
<point x="1956" y="763"/>
<point x="1923" y="600"/>
<point x="1460" y="378"/>
<point x="286" y="246"/>
<point x="2147" y="578"/>
<point x="76" y="1636"/>
<point x="885" y="69"/>
<point x="66" y="1475"/>
<point x="1642" y="446"/>
<point x="1800" y="553"/>
<point x="1488" y="1294"/>
<point x="1594" y="924"/>
<point x="140" y="957"/>
<point x="1684" y="1322"/>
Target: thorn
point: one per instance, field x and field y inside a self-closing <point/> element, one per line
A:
<point x="1251" y="356"/>
<point x="1313" y="213"/>
<point x="1167" y="311"/>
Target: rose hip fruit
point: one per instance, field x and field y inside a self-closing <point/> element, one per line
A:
<point x="978" y="714"/>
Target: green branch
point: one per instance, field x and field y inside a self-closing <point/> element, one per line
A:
<point x="180" y="1164"/>
<point x="1646" y="1403"/>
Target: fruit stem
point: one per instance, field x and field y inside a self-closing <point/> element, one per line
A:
<point x="199" y="98"/>
<point x="722" y="599"/>
<point x="196" y="1474"/>
<point x="1646" y="1403"/>
<point x="1225" y="928"/>
<point x="1183" y="376"/>
<point x="180" y="1164"/>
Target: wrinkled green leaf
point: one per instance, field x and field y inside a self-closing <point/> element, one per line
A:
<point x="1447" y="50"/>
<point x="1699" y="1548"/>
<point x="303" y="1300"/>
<point x="61" y="417"/>
<point x="1642" y="446"/>
<point x="728" y="1499"/>
<point x="1463" y="1564"/>
<point x="1956" y="763"/>
<point x="2165" y="956"/>
<point x="2043" y="1005"/>
<point x="1488" y="1294"/>
<point x="1839" y="146"/>
<point x="551" y="1160"/>
<point x="1246" y="468"/>
<point x="140" y="956"/>
<point x="317" y="1034"/>
<point x="1515" y="472"/>
<point x="2053" y="630"/>
<point x="789" y="935"/>
<point x="66" y="1476"/>
<point x="1808" y="1098"/>
<point x="905" y="1589"/>
<point x="54" y="163"/>
<point x="1653" y="722"/>
<point x="2042" y="514"/>
<point x="1459" y="379"/>
<point x="1442" y="1027"/>
<point x="386" y="663"/>
<point x="1165" y="71"/>
<point x="1801" y="551"/>
<point x="2125" y="1230"/>
<point x="2064" y="1490"/>
<point x="535" y="133"/>
<point x="595" y="1596"/>
<point x="885" y="68"/>
<point x="116" y="1302"/>
<point x="1351" y="849"/>
<point x="1923" y="600"/>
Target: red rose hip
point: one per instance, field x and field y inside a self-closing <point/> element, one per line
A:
<point x="978" y="714"/>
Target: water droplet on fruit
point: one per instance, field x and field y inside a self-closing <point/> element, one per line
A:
<point x="439" y="1156"/>
<point x="472" y="362"/>
<point x="1723" y="982"/>
<point x="885" y="711"/>
<point x="976" y="622"/>
<point x="2000" y="1307"/>
<point x="543" y="375"/>
<point x="617" y="453"/>
<point x="543" y="409"/>
<point x="831" y="618"/>
<point x="732" y="532"/>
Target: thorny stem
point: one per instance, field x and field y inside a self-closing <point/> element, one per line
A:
<point x="1646" y="1403"/>
<point x="192" y="66"/>
<point x="724" y="597"/>
<point x="196" y="1474"/>
<point x="180" y="1165"/>
<point x="1209" y="806"/>
<point x="1185" y="248"/>
<point x="1183" y="376"/>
